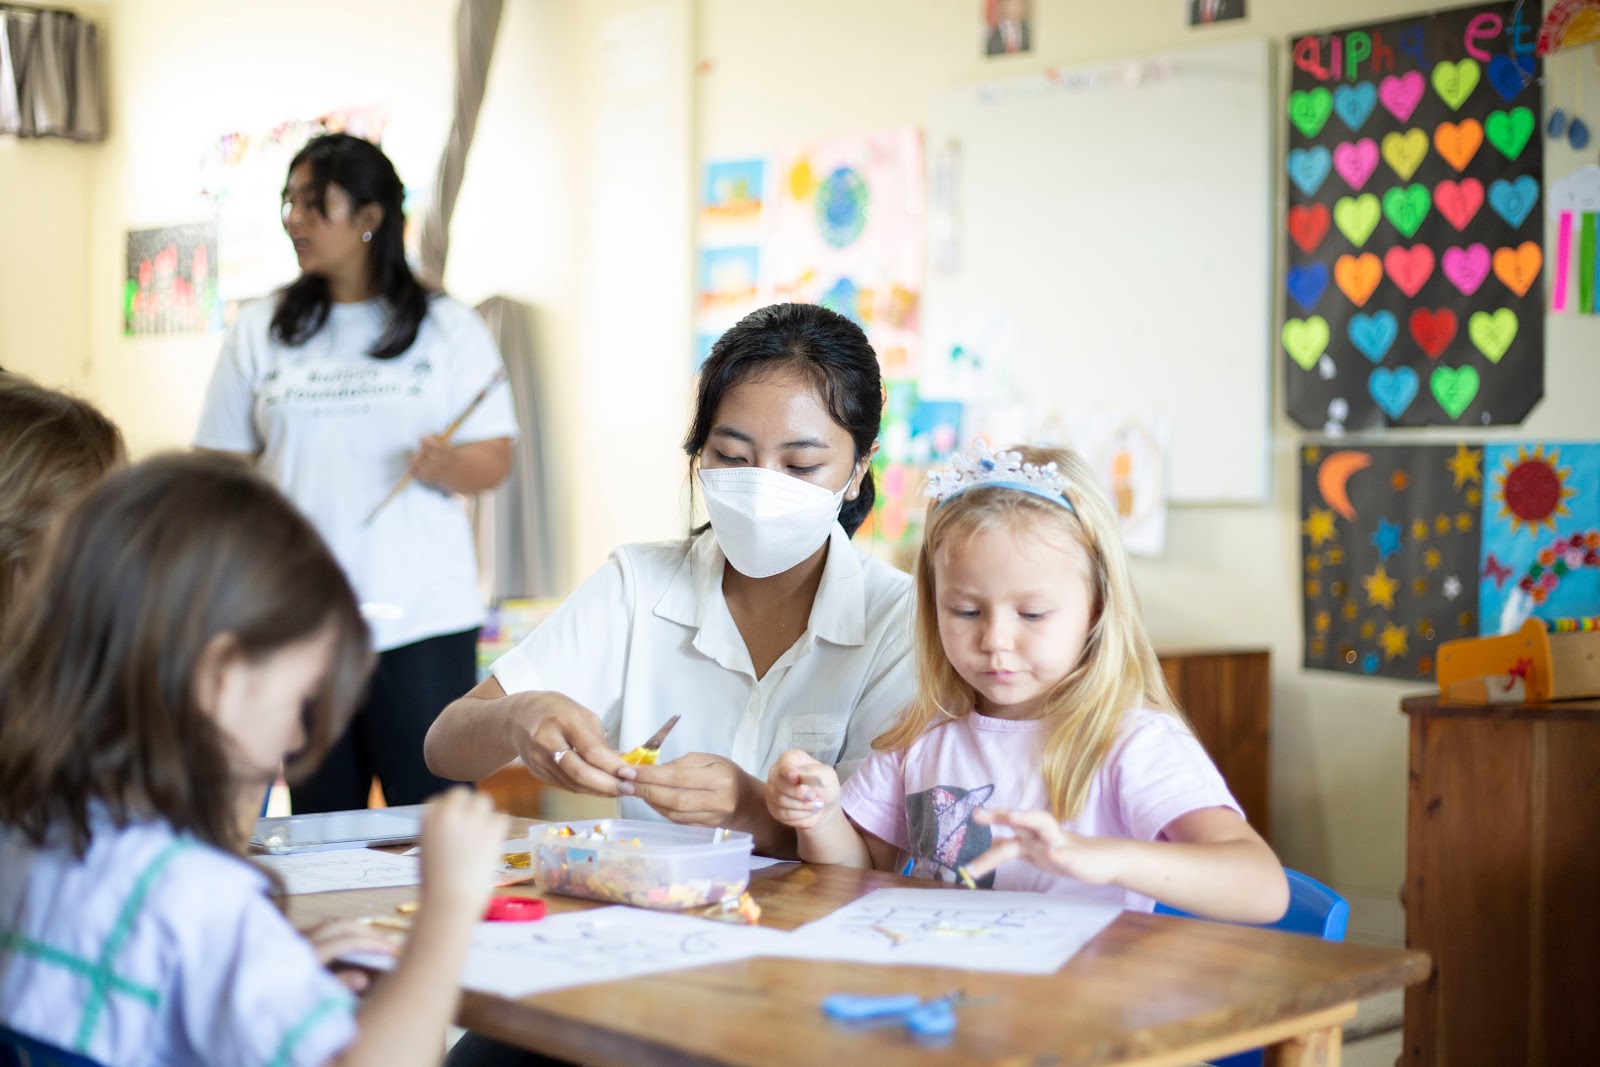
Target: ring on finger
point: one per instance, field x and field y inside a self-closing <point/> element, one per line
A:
<point x="560" y="755"/>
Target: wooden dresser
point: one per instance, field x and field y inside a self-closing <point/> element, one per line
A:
<point x="1227" y="694"/>
<point x="1503" y="883"/>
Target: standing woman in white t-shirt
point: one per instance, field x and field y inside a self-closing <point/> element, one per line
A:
<point x="768" y="631"/>
<point x="336" y="387"/>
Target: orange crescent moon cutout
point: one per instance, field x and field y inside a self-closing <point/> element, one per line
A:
<point x="1334" y="476"/>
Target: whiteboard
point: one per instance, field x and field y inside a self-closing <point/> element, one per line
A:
<point x="1122" y="214"/>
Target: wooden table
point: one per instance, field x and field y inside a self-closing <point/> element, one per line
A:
<point x="1150" y="990"/>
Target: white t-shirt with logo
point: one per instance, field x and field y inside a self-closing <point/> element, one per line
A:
<point x="335" y="429"/>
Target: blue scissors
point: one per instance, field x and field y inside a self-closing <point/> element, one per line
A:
<point x="922" y="1018"/>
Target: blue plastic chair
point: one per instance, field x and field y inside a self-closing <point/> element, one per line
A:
<point x="1313" y="909"/>
<point x="19" y="1050"/>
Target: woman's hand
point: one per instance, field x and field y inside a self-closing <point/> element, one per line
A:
<point x="698" y="789"/>
<point x="1042" y="842"/>
<point x="431" y="462"/>
<point x="801" y="791"/>
<point x="339" y="937"/>
<point x="474" y="467"/>
<point x="564" y="743"/>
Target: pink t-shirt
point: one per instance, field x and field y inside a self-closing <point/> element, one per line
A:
<point x="921" y="799"/>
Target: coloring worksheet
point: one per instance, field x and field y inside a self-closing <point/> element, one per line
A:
<point x="356" y="868"/>
<point x="1023" y="933"/>
<point x="518" y="959"/>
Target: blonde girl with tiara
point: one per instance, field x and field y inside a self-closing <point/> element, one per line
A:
<point x="1042" y="751"/>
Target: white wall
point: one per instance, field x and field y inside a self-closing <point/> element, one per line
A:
<point x="776" y="72"/>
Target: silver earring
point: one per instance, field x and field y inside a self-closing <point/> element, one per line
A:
<point x="365" y="237"/>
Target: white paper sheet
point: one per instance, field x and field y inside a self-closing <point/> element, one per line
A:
<point x="1023" y="933"/>
<point x="324" y="872"/>
<point x="518" y="959"/>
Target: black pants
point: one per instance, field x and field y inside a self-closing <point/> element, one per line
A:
<point x="411" y="686"/>
<point x="475" y="1050"/>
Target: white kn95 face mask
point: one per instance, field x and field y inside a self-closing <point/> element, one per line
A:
<point x="766" y="522"/>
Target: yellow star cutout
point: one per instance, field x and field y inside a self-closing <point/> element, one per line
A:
<point x="1318" y="526"/>
<point x="1380" y="588"/>
<point x="1313" y="564"/>
<point x="1393" y="640"/>
<point x="1323" y="622"/>
<point x="1473" y="497"/>
<point x="1334" y="556"/>
<point x="1419" y="529"/>
<point x="1464" y="465"/>
<point x="1350" y="609"/>
<point x="1419" y="586"/>
<point x="1313" y="589"/>
<point x="1312" y="453"/>
<point x="1464" y="522"/>
<point x="1441" y="525"/>
<point x="1368" y="628"/>
<point x="1431" y="559"/>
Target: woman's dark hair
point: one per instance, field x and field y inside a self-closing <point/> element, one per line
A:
<point x="97" y="680"/>
<point x="821" y="346"/>
<point x="361" y="169"/>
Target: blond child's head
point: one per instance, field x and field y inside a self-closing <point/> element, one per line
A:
<point x="1025" y="610"/>
<point x="53" y="447"/>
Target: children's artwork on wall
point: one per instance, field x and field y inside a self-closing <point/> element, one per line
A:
<point x="1205" y="12"/>
<point x="171" y="281"/>
<point x="1129" y="454"/>
<point x="967" y="355"/>
<point x="732" y="194"/>
<point x="845" y="230"/>
<point x="1541" y="534"/>
<point x="1389" y="541"/>
<point x="1414" y="275"/>
<point x="1007" y="26"/>
<point x="1574" y="206"/>
<point x="242" y="176"/>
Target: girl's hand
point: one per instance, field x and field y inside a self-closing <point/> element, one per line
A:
<point x="340" y="937"/>
<point x="431" y="462"/>
<point x="801" y="791"/>
<point x="697" y="789"/>
<point x="1041" y="841"/>
<point x="461" y="839"/>
<point x="563" y="742"/>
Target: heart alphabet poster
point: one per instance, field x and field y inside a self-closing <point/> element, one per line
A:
<point x="1413" y="280"/>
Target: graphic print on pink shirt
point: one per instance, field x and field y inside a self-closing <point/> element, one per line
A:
<point x="942" y="834"/>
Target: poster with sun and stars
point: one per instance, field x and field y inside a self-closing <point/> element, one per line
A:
<point x="1389" y="540"/>
<point x="1414" y="270"/>
<point x="1541" y="534"/>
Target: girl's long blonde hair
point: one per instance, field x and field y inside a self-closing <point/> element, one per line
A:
<point x="1118" y="670"/>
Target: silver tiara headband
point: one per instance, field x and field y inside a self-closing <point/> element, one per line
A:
<point x="982" y="468"/>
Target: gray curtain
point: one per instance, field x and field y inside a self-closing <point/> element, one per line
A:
<point x="512" y="523"/>
<point x="50" y="84"/>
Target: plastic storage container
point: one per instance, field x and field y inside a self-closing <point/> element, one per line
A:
<point x="647" y="864"/>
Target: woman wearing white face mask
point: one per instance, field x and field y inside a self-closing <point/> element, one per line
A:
<point x="766" y="631"/>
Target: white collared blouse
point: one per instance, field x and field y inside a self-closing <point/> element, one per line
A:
<point x="649" y="636"/>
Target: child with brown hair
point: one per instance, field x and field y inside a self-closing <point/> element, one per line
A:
<point x="190" y="631"/>
<point x="53" y="446"/>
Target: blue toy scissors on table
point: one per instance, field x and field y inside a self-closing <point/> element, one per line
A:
<point x="922" y="1018"/>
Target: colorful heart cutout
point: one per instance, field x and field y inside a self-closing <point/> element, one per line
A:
<point x="1513" y="200"/>
<point x="1454" y="82"/>
<point x="1394" y="390"/>
<point x="1432" y="330"/>
<point x="1466" y="268"/>
<point x="1454" y="388"/>
<point x="1374" y="334"/>
<point x="1409" y="268"/>
<point x="1518" y="267"/>
<point x="1401" y="93"/>
<point x="1458" y="142"/>
<point x="1493" y="332"/>
<point x="1309" y="167"/>
<point x="1357" y="217"/>
<point x="1309" y="109"/>
<point x="1404" y="152"/>
<point x="1306" y="340"/>
<point x="1307" y="284"/>
<point x="1458" y="202"/>
<point x="1358" y="276"/>
<point x="1509" y="131"/>
<point x="1308" y="225"/>
<point x="1406" y="207"/>
<point x="1506" y="77"/>
<point x="1355" y="161"/>
<point x="1354" y="103"/>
